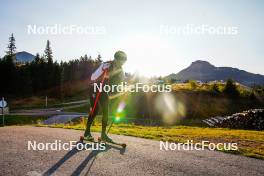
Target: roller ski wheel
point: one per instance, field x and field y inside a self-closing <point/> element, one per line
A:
<point x="90" y="139"/>
<point x="111" y="142"/>
<point x="81" y="138"/>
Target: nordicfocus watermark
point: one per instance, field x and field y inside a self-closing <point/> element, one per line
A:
<point x="124" y="87"/>
<point x="189" y="145"/>
<point x="59" y="29"/>
<point x="204" y="29"/>
<point x="59" y="145"/>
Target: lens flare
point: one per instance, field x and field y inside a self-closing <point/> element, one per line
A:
<point x="121" y="107"/>
<point x="170" y="109"/>
<point x="117" y="119"/>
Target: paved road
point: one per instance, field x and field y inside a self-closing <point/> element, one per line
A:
<point x="56" y="115"/>
<point x="45" y="112"/>
<point x="61" y="119"/>
<point x="142" y="157"/>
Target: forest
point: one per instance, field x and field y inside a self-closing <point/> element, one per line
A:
<point x="42" y="74"/>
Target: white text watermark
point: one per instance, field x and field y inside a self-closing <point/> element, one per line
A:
<point x="190" y="145"/>
<point x="191" y="29"/>
<point x="124" y="87"/>
<point x="59" y="29"/>
<point x="59" y="145"/>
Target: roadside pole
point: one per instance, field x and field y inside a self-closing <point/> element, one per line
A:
<point x="3" y="116"/>
<point x="46" y="104"/>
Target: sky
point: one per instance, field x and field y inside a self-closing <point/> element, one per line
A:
<point x="159" y="36"/>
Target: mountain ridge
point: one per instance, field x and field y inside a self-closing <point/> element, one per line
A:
<point x="24" y="56"/>
<point x="204" y="71"/>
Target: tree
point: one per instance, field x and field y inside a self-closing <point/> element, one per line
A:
<point x="252" y="95"/>
<point x="215" y="88"/>
<point x="11" y="47"/>
<point x="23" y="82"/>
<point x="61" y="82"/>
<point x="193" y="84"/>
<point x="48" y="53"/>
<point x="8" y="70"/>
<point x="99" y="59"/>
<point x="231" y="88"/>
<point x="37" y="58"/>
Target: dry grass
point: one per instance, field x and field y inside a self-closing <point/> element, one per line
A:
<point x="250" y="143"/>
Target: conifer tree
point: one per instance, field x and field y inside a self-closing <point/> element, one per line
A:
<point x="48" y="53"/>
<point x="11" y="47"/>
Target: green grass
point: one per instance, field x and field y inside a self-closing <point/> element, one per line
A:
<point x="243" y="90"/>
<point x="32" y="102"/>
<point x="21" y="120"/>
<point x="82" y="108"/>
<point x="250" y="143"/>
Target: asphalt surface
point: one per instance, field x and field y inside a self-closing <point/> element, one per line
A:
<point x="61" y="119"/>
<point x="45" y="112"/>
<point x="56" y="115"/>
<point x="141" y="157"/>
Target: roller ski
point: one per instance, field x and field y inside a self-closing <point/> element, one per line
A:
<point x="104" y="138"/>
<point x="88" y="138"/>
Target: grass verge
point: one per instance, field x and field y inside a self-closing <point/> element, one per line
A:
<point x="21" y="120"/>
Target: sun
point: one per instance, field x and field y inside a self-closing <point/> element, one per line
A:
<point x="147" y="54"/>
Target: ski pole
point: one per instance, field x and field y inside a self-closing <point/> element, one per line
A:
<point x="98" y="95"/>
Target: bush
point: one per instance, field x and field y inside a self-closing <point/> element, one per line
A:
<point x="231" y="88"/>
<point x="259" y="90"/>
<point x="252" y="95"/>
<point x="193" y="84"/>
<point x="215" y="88"/>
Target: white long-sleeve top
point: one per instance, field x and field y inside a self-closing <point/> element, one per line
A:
<point x="100" y="70"/>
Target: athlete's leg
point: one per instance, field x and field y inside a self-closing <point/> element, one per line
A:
<point x="91" y="117"/>
<point x="105" y="107"/>
<point x="104" y="104"/>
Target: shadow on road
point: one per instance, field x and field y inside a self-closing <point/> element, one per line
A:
<point x="92" y="156"/>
